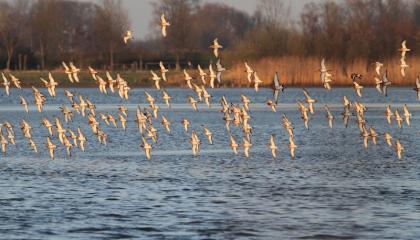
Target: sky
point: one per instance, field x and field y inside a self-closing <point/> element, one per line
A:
<point x="141" y="11"/>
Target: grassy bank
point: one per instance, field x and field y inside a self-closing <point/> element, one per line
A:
<point x="293" y="71"/>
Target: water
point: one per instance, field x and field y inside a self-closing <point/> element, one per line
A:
<point x="334" y="189"/>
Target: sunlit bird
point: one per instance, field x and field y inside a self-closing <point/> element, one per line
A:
<point x="246" y="144"/>
<point x="272" y="146"/>
<point x="388" y="138"/>
<point x="399" y="148"/>
<point x="417" y="87"/>
<point x="50" y="147"/>
<point x="257" y="82"/>
<point x="208" y="134"/>
<point x="311" y="101"/>
<point x="164" y="24"/>
<point x="403" y="66"/>
<point x="249" y="72"/>
<point x="378" y="67"/>
<point x="155" y="78"/>
<point x="292" y="147"/>
<point x="147" y="148"/>
<point x="166" y="98"/>
<point x="6" y="84"/>
<point x="128" y="36"/>
<point x="329" y="115"/>
<point x="163" y="71"/>
<point x="234" y="145"/>
<point x="202" y="74"/>
<point x="216" y="46"/>
<point x="404" y="48"/>
<point x="277" y="87"/>
<point x="407" y="114"/>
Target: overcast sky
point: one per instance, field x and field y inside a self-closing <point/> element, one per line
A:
<point x="141" y="11"/>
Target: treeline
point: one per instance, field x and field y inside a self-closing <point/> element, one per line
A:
<point x="341" y="30"/>
<point x="40" y="34"/>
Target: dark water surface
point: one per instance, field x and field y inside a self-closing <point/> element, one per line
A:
<point x="334" y="189"/>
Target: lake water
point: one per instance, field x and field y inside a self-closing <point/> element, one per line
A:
<point x="334" y="189"/>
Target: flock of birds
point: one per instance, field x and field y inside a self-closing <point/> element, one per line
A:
<point x="234" y="115"/>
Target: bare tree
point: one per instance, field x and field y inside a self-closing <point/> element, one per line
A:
<point x="109" y="24"/>
<point x="275" y="13"/>
<point x="46" y="28"/>
<point x="178" y="13"/>
<point x="12" y="26"/>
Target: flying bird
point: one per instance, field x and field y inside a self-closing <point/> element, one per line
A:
<point x="216" y="46"/>
<point x="378" y="67"/>
<point x="163" y="71"/>
<point x="277" y="87"/>
<point x="403" y="66"/>
<point x="404" y="48"/>
<point x="272" y="146"/>
<point x="164" y="24"/>
<point x="417" y="87"/>
<point x="128" y="36"/>
<point x="249" y="72"/>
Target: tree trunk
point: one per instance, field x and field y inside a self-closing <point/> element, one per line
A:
<point x="42" y="52"/>
<point x="9" y="57"/>
<point x="111" y="58"/>
<point x="177" y="65"/>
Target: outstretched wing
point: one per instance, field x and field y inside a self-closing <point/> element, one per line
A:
<point x="65" y="66"/>
<point x="276" y="95"/>
<point x="276" y="81"/>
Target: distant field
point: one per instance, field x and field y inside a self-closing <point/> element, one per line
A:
<point x="293" y="71"/>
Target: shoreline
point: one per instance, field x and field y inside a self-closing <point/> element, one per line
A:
<point x="142" y="79"/>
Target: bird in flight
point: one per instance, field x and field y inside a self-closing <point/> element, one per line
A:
<point x="277" y="88"/>
<point x="128" y="36"/>
<point x="164" y="24"/>
<point x="216" y="46"/>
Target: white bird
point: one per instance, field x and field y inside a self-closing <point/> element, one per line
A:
<point x="388" y="139"/>
<point x="246" y="145"/>
<point x="277" y="87"/>
<point x="403" y="66"/>
<point x="219" y="70"/>
<point x="51" y="147"/>
<point x="24" y="103"/>
<point x="216" y="46"/>
<point x="166" y="98"/>
<point x="212" y="76"/>
<point x="155" y="78"/>
<point x="378" y="67"/>
<point x="6" y="84"/>
<point x="399" y="148"/>
<point x="417" y="88"/>
<point x="234" y="145"/>
<point x="202" y="74"/>
<point x="249" y="72"/>
<point x="272" y="146"/>
<point x="128" y="36"/>
<point x="404" y="48"/>
<point x="74" y="71"/>
<point x="208" y="134"/>
<point x="188" y="79"/>
<point x="292" y="147"/>
<point x="407" y="114"/>
<point x="147" y="148"/>
<point x="257" y="82"/>
<point x="163" y="71"/>
<point x="358" y="88"/>
<point x="164" y="24"/>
